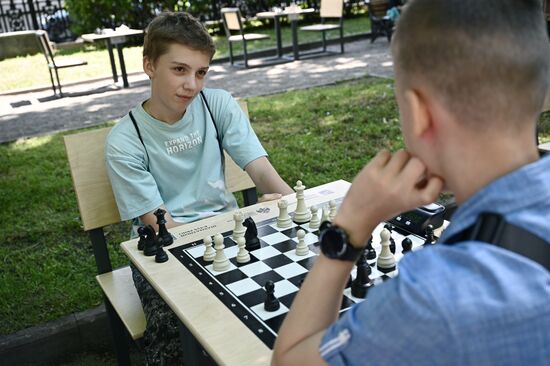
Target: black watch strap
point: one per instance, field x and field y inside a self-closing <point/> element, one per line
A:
<point x="335" y="244"/>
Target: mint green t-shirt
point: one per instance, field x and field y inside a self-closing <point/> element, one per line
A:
<point x="182" y="168"/>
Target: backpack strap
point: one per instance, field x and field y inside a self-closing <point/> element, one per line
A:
<point x="492" y="228"/>
<point x="218" y="137"/>
<point x="140" y="138"/>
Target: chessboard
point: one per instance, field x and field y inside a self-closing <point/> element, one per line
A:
<point x="241" y="287"/>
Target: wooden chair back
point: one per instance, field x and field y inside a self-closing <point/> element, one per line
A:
<point x="332" y="8"/>
<point x="232" y="19"/>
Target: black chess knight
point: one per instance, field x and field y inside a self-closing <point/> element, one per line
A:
<point x="251" y="235"/>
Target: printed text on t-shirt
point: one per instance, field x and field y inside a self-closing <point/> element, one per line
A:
<point x="183" y="143"/>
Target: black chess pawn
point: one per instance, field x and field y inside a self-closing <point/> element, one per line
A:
<point x="407" y="245"/>
<point x="371" y="253"/>
<point x="161" y="256"/>
<point x="362" y="283"/>
<point x="251" y="235"/>
<point x="164" y="237"/>
<point x="271" y="303"/>
<point x="141" y="241"/>
<point x="390" y="228"/>
<point x="151" y="244"/>
<point x="430" y="236"/>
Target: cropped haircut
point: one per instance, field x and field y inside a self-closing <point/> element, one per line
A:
<point x="176" y="27"/>
<point x="487" y="59"/>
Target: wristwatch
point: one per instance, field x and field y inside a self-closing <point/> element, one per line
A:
<point x="335" y="245"/>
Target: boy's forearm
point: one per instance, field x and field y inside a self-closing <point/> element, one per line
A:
<point x="315" y="307"/>
<point x="266" y="178"/>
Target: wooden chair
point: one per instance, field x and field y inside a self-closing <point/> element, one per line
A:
<point x="330" y="9"/>
<point x="233" y="22"/>
<point x="97" y="206"/>
<point x="381" y="24"/>
<point x="46" y="47"/>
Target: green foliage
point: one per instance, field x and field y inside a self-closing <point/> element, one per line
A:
<point x="47" y="266"/>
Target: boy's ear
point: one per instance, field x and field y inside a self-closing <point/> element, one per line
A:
<point x="420" y="114"/>
<point x="148" y="66"/>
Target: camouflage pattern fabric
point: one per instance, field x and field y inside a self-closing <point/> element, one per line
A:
<point x="161" y="339"/>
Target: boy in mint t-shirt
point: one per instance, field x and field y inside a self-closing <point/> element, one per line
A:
<point x="166" y="154"/>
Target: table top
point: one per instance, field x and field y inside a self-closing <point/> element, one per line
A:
<point x="110" y="33"/>
<point x="220" y="332"/>
<point x="283" y="13"/>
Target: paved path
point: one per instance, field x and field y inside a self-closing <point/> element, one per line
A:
<point x="94" y="103"/>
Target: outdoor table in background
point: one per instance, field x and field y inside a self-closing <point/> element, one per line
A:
<point x="293" y="14"/>
<point x="115" y="37"/>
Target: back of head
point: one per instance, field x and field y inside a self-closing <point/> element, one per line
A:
<point x="487" y="59"/>
<point x="182" y="28"/>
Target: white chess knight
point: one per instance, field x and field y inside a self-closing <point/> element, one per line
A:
<point x="239" y="228"/>
<point x="209" y="252"/>
<point x="315" y="220"/>
<point x="302" y="248"/>
<point x="283" y="220"/>
<point x="221" y="263"/>
<point x="302" y="214"/>
<point x="386" y="260"/>
<point x="242" y="255"/>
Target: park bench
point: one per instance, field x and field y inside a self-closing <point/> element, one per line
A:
<point x="98" y="209"/>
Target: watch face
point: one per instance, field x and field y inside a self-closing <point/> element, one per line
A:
<point x="332" y="243"/>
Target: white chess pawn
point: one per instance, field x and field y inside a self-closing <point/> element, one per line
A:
<point x="333" y="210"/>
<point x="324" y="216"/>
<point x="301" y="249"/>
<point x="315" y="221"/>
<point x="302" y="214"/>
<point x="221" y="263"/>
<point x="239" y="229"/>
<point x="209" y="252"/>
<point x="386" y="260"/>
<point x="283" y="220"/>
<point x="242" y="255"/>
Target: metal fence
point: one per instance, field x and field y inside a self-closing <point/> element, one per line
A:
<point x="36" y="14"/>
<point x="52" y="16"/>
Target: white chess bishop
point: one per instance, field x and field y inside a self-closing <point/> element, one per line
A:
<point x="386" y="260"/>
<point x="302" y="214"/>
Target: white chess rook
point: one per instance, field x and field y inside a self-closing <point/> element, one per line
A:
<point x="239" y="230"/>
<point x="301" y="249"/>
<point x="315" y="221"/>
<point x="209" y="252"/>
<point x="283" y="220"/>
<point x="242" y="255"/>
<point x="302" y="214"/>
<point x="221" y="263"/>
<point x="386" y="260"/>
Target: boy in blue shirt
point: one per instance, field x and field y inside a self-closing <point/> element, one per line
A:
<point x="166" y="154"/>
<point x="471" y="77"/>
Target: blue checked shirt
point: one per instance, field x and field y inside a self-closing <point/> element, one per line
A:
<point x="463" y="304"/>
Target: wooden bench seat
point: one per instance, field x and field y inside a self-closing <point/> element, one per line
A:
<point x="119" y="287"/>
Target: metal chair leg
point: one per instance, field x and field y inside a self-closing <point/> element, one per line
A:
<point x="245" y="54"/>
<point x="120" y="337"/>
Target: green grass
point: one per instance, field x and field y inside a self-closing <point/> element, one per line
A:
<point x="36" y="71"/>
<point x="47" y="267"/>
